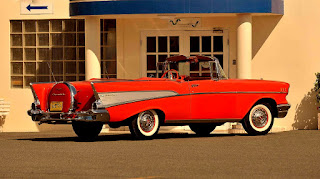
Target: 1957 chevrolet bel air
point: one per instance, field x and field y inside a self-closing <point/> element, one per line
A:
<point x="202" y="101"/>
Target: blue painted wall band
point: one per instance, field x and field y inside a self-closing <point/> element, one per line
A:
<point x="111" y="7"/>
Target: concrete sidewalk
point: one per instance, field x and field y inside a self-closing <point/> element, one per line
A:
<point x="170" y="155"/>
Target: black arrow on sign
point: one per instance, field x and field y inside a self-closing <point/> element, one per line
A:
<point x="36" y="7"/>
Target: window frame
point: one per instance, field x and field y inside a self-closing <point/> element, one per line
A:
<point x="106" y="31"/>
<point x="48" y="34"/>
<point x="185" y="46"/>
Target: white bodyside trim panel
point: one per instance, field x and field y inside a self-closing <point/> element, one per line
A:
<point x="109" y="99"/>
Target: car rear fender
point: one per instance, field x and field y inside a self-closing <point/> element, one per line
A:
<point x="40" y="93"/>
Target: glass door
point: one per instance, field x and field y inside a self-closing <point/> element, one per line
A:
<point x="207" y="43"/>
<point x="156" y="46"/>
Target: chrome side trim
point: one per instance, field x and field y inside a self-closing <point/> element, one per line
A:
<point x="117" y="81"/>
<point x="283" y="110"/>
<point x="139" y="91"/>
<point x="243" y="92"/>
<point x="120" y="99"/>
<point x="110" y="99"/>
<point x="261" y="92"/>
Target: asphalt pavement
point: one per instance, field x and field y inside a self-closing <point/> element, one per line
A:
<point x="169" y="155"/>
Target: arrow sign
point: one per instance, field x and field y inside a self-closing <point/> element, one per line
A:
<point x="36" y="7"/>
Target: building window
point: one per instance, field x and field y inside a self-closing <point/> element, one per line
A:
<point x="108" y="48"/>
<point x="159" y="48"/>
<point x="205" y="45"/>
<point x="42" y="47"/>
<point x="161" y="45"/>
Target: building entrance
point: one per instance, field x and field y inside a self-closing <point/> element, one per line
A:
<point x="156" y="46"/>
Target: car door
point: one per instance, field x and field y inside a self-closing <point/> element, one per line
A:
<point x="212" y="99"/>
<point x="178" y="107"/>
<point x="175" y="106"/>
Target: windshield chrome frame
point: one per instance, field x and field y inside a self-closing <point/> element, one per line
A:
<point x="218" y="69"/>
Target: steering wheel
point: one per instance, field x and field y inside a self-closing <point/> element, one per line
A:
<point x="170" y="75"/>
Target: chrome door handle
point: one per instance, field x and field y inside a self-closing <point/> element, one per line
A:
<point x="194" y="85"/>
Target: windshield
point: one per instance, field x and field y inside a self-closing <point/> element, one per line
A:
<point x="221" y="72"/>
<point x="192" y="68"/>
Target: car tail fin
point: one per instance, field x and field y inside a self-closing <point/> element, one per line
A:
<point x="40" y="93"/>
<point x="95" y="93"/>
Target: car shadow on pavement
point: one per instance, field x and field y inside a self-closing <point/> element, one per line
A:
<point x="126" y="137"/>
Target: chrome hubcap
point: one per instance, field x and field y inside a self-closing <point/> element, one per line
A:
<point x="147" y="121"/>
<point x="259" y="117"/>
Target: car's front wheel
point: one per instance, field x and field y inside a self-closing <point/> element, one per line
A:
<point x="145" y="125"/>
<point x="202" y="129"/>
<point x="259" y="120"/>
<point x="87" y="131"/>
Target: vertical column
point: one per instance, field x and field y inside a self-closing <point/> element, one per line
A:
<point x="244" y="46"/>
<point x="92" y="48"/>
<point x="121" y="70"/>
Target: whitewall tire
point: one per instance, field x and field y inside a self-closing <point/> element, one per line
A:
<point x="145" y="125"/>
<point x="259" y="120"/>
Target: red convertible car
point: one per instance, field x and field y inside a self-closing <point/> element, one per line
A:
<point x="202" y="100"/>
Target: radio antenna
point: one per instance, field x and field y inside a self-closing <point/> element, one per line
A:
<point x="51" y="72"/>
<point x="105" y="68"/>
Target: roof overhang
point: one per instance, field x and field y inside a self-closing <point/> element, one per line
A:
<point x="115" y="7"/>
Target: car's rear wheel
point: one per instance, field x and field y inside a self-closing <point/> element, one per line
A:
<point x="202" y="129"/>
<point x="145" y="125"/>
<point x="87" y="131"/>
<point x="259" y="120"/>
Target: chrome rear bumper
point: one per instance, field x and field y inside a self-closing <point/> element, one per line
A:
<point x="283" y="110"/>
<point x="100" y="115"/>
